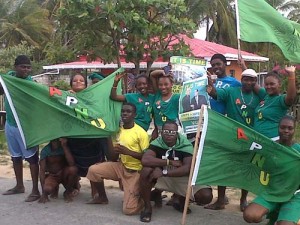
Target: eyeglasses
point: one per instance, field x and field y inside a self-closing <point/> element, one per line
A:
<point x="169" y="132"/>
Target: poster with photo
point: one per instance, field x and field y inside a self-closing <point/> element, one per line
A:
<point x="192" y="97"/>
<point x="185" y="69"/>
<point x="190" y="80"/>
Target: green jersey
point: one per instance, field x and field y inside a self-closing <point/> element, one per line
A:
<point x="9" y="115"/>
<point x="268" y="114"/>
<point x="165" y="110"/>
<point x="143" y="108"/>
<point x="240" y="105"/>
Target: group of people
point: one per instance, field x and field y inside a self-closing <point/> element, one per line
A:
<point x="162" y="161"/>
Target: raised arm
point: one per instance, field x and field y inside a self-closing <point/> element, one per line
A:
<point x="291" y="88"/>
<point x="113" y="92"/>
<point x="154" y="77"/>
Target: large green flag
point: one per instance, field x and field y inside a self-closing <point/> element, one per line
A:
<point x="260" y="22"/>
<point x="231" y="154"/>
<point x="45" y="113"/>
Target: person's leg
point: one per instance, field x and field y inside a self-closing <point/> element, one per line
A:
<point x="243" y="200"/>
<point x="69" y="180"/>
<point x="254" y="213"/>
<point x="203" y="196"/>
<point x="132" y="202"/>
<point x="34" y="171"/>
<point x="146" y="185"/>
<point x="289" y="213"/>
<point x="50" y="186"/>
<point x="97" y="173"/>
<point x="12" y="135"/>
<point x="220" y="203"/>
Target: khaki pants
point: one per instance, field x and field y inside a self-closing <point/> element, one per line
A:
<point x="132" y="203"/>
<point x="177" y="185"/>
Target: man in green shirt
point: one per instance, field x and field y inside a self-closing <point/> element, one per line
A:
<point x="240" y="103"/>
<point x="15" y="144"/>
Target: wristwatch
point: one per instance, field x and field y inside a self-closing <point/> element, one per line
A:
<point x="165" y="172"/>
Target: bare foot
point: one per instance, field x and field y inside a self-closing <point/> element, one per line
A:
<point x="68" y="197"/>
<point x="98" y="200"/>
<point x="215" y="206"/>
<point x="75" y="192"/>
<point x="54" y="195"/>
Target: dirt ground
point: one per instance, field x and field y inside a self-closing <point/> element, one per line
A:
<point x="6" y="171"/>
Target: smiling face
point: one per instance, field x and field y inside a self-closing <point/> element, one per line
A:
<point x="78" y="83"/>
<point x="142" y="85"/>
<point x="272" y="85"/>
<point x="165" y="85"/>
<point x="218" y="67"/>
<point x="23" y="70"/>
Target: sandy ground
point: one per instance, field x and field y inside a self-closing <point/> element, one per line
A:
<point x="6" y="171"/>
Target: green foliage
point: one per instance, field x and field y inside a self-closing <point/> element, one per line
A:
<point x="140" y="30"/>
<point x="24" y="21"/>
<point x="8" y="55"/>
<point x="62" y="85"/>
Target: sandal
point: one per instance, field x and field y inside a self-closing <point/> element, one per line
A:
<point x="32" y="197"/>
<point x="14" y="191"/>
<point x="180" y="208"/>
<point x="145" y="217"/>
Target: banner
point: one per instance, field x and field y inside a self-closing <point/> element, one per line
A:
<point x="231" y="154"/>
<point x="45" y="113"/>
<point x="260" y="22"/>
<point x="185" y="69"/>
<point x="192" y="97"/>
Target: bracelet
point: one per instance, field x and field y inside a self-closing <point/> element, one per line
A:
<point x="168" y="162"/>
<point x="114" y="87"/>
<point x="292" y="78"/>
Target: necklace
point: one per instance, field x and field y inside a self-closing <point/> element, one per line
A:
<point x="244" y="103"/>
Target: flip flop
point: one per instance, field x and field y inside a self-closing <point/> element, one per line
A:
<point x="180" y="208"/>
<point x="32" y="197"/>
<point x="145" y="217"/>
<point x="14" y="191"/>
<point x="214" y="207"/>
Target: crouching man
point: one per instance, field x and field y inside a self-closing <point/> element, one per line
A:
<point x="166" y="165"/>
<point x="133" y="141"/>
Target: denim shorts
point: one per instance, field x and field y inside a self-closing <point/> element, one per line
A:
<point x="15" y="144"/>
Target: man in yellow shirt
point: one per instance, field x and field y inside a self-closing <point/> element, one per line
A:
<point x="133" y="140"/>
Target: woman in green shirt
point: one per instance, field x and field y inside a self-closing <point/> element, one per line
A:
<point x="142" y="100"/>
<point x="166" y="104"/>
<point x="275" y="105"/>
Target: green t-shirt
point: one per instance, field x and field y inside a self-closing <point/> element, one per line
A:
<point x="143" y="108"/>
<point x="239" y="106"/>
<point x="268" y="114"/>
<point x="46" y="152"/>
<point x="9" y="115"/>
<point x="165" y="110"/>
<point x="296" y="146"/>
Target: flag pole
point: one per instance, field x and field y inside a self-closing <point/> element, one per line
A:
<point x="238" y="32"/>
<point x="189" y="187"/>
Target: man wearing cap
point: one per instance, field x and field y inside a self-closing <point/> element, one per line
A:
<point x="240" y="104"/>
<point x="14" y="141"/>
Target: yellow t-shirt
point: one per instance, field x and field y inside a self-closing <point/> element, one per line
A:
<point x="136" y="139"/>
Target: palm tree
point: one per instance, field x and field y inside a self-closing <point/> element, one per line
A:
<point x="218" y="12"/>
<point x="24" y="21"/>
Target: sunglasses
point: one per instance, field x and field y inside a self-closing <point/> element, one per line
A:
<point x="169" y="132"/>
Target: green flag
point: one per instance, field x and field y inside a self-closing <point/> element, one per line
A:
<point x="260" y="22"/>
<point x="231" y="154"/>
<point x="45" y="113"/>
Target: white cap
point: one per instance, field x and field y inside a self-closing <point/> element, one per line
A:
<point x="249" y="73"/>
